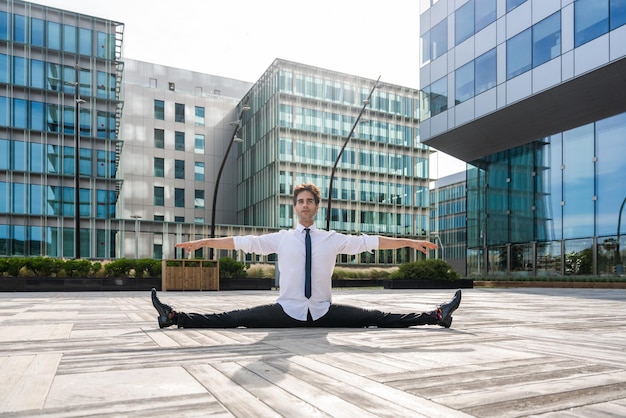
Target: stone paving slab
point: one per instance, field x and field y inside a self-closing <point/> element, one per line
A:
<point x="510" y="353"/>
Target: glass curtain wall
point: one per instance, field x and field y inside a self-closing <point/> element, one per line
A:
<point x="552" y="206"/>
<point x="58" y="121"/>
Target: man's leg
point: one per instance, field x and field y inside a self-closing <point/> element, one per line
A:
<point x="354" y="317"/>
<point x="264" y="316"/>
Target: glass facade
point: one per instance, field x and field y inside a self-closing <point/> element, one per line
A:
<point x="299" y="119"/>
<point x="59" y="113"/>
<point x="552" y="206"/>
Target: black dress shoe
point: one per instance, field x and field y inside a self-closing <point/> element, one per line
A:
<point x="165" y="311"/>
<point x="445" y="310"/>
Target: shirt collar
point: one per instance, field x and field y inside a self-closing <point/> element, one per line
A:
<point x="300" y="228"/>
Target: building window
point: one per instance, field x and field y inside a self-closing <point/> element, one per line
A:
<point x="512" y="4"/>
<point x="159" y="196"/>
<point x="179" y="169"/>
<point x="547" y="39"/>
<point x="198" y="171"/>
<point x="159" y="218"/>
<point x="159" y="138"/>
<point x="485" y="70"/>
<point x="179" y="141"/>
<point x="199" y="116"/>
<point x="198" y="220"/>
<point x="159" y="167"/>
<point x="435" y="42"/>
<point x="159" y="109"/>
<point x="199" y="199"/>
<point x="179" y="112"/>
<point x="179" y="198"/>
<point x="534" y="46"/>
<point x="518" y="54"/>
<point x="199" y="144"/>
<point x="179" y="219"/>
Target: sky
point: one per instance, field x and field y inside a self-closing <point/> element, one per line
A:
<point x="240" y="39"/>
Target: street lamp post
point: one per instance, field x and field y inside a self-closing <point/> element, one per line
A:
<point x="332" y="174"/>
<point x="233" y="139"/>
<point x="136" y="218"/>
<point x="438" y="238"/>
<point x="77" y="102"/>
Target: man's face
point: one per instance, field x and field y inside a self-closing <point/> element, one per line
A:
<point x="306" y="208"/>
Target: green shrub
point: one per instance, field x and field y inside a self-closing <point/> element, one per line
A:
<point x="119" y="268"/>
<point x="229" y="268"/>
<point x="429" y="269"/>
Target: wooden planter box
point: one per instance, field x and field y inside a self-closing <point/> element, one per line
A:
<point x="428" y="284"/>
<point x="190" y="275"/>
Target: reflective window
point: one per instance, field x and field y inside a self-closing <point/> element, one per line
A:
<point x="4" y="150"/>
<point x="547" y="39"/>
<point x="36" y="32"/>
<point x="464" y="22"/>
<point x="578" y="182"/>
<point x="518" y="54"/>
<point x="69" y="38"/>
<point x="179" y="141"/>
<point x="37" y="74"/>
<point x="4" y="111"/>
<point x="438" y="42"/>
<point x="85" y="41"/>
<point x="485" y="13"/>
<point x="85" y="162"/>
<point x="53" y="40"/>
<point x="159" y="109"/>
<point x="20" y="113"/>
<point x="512" y="4"/>
<point x="18" y="156"/>
<point x="199" y="199"/>
<point x="199" y="143"/>
<point x="198" y="171"/>
<point x="4" y="25"/>
<point x="4" y="197"/>
<point x="179" y="112"/>
<point x="617" y="13"/>
<point x="159" y="138"/>
<point x="4" y="68"/>
<point x="199" y="116"/>
<point x="159" y="167"/>
<point x="591" y="19"/>
<point x="159" y="196"/>
<point x="179" y="198"/>
<point x="464" y="83"/>
<point x="439" y="96"/>
<point x="19" y="198"/>
<point x="36" y="158"/>
<point x="36" y="117"/>
<point x="19" y="71"/>
<point x="20" y="33"/>
<point x="179" y="169"/>
<point x="610" y="169"/>
<point x="485" y="71"/>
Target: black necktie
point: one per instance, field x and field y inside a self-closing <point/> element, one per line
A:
<point x="307" y="264"/>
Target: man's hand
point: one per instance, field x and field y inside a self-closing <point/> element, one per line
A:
<point x="423" y="246"/>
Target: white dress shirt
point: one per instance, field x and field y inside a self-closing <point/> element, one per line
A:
<point x="289" y="246"/>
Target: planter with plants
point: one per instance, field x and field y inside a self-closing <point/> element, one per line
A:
<point x="427" y="274"/>
<point x="45" y="274"/>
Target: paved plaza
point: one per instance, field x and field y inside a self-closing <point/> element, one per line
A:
<point x="509" y="353"/>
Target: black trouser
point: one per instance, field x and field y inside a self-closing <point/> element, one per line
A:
<point x="273" y="316"/>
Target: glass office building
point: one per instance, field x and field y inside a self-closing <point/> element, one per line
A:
<point x="530" y="95"/>
<point x="298" y="121"/>
<point x="60" y="109"/>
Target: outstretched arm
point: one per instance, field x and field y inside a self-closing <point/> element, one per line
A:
<point x="223" y="243"/>
<point x="388" y="243"/>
